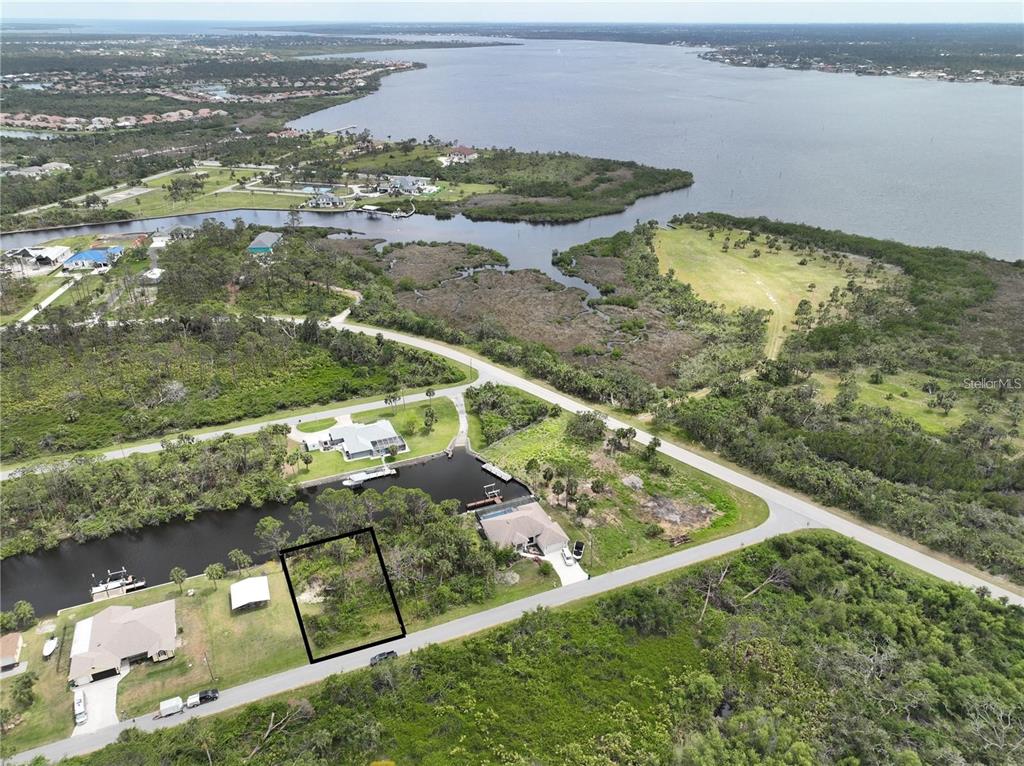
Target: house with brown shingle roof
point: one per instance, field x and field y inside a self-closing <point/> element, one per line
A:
<point x="106" y="643"/>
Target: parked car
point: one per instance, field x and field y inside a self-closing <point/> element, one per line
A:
<point x="379" y="658"/>
<point x="207" y="695"/>
<point x="567" y="557"/>
<point x="577" y="550"/>
<point x="79" y="708"/>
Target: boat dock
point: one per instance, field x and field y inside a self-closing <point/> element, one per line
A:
<point x="493" y="469"/>
<point x="358" y="479"/>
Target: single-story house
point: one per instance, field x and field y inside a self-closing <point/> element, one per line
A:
<point x="93" y="259"/>
<point x="10" y="650"/>
<point x="264" y="243"/>
<point x="53" y="255"/>
<point x="359" y="441"/>
<point x="522" y="528"/>
<point x="325" y="199"/>
<point x="110" y="640"/>
<point x="250" y="593"/>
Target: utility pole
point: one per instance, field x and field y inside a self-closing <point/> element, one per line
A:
<point x="209" y="667"/>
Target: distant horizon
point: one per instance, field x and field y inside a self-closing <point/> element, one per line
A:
<point x="751" y="12"/>
<point x="524" y="22"/>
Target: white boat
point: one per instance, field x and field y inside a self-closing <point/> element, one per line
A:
<point x="358" y="479"/>
<point x="50" y="647"/>
<point x="116" y="584"/>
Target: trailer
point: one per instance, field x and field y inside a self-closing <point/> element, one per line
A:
<point x="171" y="706"/>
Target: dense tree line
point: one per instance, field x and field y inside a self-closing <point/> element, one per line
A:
<point x="541" y="187"/>
<point x="90" y="498"/>
<point x="73" y="387"/>
<point x="435" y="558"/>
<point x="801" y="650"/>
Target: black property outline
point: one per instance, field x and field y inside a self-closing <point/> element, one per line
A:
<point x="283" y="554"/>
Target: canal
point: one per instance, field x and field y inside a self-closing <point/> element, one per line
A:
<point x="526" y="245"/>
<point x="61" y="577"/>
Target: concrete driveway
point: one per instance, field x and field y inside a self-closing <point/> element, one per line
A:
<point x="567" y="574"/>
<point x="100" y="705"/>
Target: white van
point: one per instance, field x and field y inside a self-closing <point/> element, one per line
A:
<point x="80" y="715"/>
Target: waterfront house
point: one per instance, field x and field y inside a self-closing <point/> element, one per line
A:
<point x="10" y="650"/>
<point x="107" y="643"/>
<point x="526" y="528"/>
<point x="359" y="441"/>
<point x="97" y="258"/>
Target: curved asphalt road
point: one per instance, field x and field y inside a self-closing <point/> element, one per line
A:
<point x="787" y="513"/>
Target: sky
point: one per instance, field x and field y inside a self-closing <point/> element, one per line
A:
<point x="679" y="11"/>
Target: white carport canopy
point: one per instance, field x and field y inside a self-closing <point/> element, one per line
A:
<point x="252" y="590"/>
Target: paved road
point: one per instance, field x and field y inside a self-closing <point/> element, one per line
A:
<point x="787" y="513"/>
<point x="50" y="299"/>
<point x="454" y="393"/>
<point x="777" y="523"/>
<point x="798" y="512"/>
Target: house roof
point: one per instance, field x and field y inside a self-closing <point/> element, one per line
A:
<point x="91" y="256"/>
<point x="521" y="525"/>
<point x="367" y="437"/>
<point x="10" y="648"/>
<point x="266" y="239"/>
<point x="465" y="151"/>
<point x="252" y="590"/>
<point x="103" y="641"/>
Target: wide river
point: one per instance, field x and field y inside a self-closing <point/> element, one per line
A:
<point x="922" y="162"/>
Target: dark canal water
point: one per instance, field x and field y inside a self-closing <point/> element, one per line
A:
<point x="61" y="577"/>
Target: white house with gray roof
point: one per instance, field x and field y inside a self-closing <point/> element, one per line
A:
<point x="358" y="441"/>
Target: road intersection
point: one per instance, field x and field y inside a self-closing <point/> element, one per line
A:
<point x="787" y="513"/>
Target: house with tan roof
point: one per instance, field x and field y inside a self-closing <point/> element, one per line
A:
<point x="10" y="650"/>
<point x="106" y="643"/>
<point x="524" y="528"/>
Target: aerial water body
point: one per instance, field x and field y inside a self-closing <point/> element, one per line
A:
<point x="923" y="162"/>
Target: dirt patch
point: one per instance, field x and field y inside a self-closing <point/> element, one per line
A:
<point x="676" y="516"/>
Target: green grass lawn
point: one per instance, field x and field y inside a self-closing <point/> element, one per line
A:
<point x="408" y="421"/>
<point x="240" y="648"/>
<point x="312" y="426"/>
<point x="616" y="530"/>
<point x="907" y="399"/>
<point x="774" y="281"/>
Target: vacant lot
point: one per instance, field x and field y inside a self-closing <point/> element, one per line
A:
<point x="775" y="280"/>
<point x="491" y="302"/>
<point x="424" y="265"/>
<point x="342" y="595"/>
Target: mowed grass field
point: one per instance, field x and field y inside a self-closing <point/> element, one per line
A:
<point x="774" y="281"/>
<point x="239" y="648"/>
